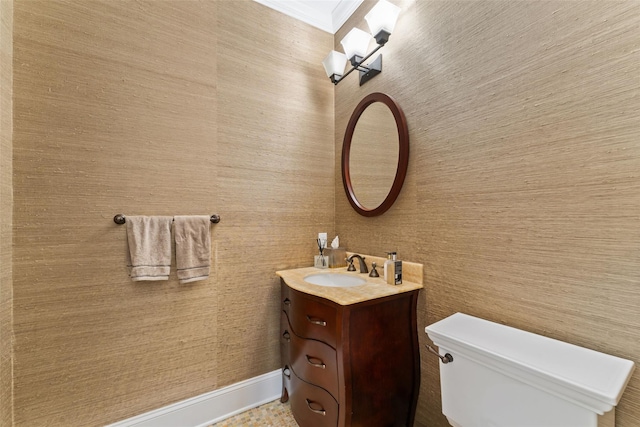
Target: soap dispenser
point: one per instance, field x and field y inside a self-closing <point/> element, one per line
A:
<point x="388" y="267"/>
<point x="397" y="271"/>
<point x="393" y="269"/>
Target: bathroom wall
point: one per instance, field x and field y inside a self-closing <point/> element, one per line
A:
<point x="157" y="108"/>
<point x="523" y="190"/>
<point x="6" y="210"/>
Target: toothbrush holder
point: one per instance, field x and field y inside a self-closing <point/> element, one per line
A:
<point x="321" y="261"/>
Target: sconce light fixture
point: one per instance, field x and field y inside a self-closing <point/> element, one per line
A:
<point x="381" y="20"/>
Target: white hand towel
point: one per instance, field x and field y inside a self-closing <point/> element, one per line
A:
<point x="193" y="247"/>
<point x="149" y="239"/>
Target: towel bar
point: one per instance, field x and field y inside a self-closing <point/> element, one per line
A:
<point x="121" y="219"/>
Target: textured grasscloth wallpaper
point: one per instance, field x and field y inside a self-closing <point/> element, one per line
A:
<point x="6" y="208"/>
<point x="523" y="193"/>
<point x="158" y="108"/>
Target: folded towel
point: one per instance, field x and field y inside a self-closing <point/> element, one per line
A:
<point x="149" y="239"/>
<point x="193" y="247"/>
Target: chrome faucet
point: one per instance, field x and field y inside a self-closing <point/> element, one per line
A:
<point x="363" y="265"/>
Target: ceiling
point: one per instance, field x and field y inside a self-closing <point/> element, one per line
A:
<point x="328" y="15"/>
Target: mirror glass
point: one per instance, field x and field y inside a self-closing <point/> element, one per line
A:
<point x="375" y="154"/>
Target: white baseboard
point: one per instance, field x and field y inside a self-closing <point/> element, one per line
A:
<point x="212" y="407"/>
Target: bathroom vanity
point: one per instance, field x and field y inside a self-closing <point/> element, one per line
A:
<point x="349" y="354"/>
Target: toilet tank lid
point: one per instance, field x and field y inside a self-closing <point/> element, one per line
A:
<point x="596" y="375"/>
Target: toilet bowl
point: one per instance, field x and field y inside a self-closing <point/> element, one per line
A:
<point x="505" y="377"/>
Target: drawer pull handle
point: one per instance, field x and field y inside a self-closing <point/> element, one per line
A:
<point x="316" y="321"/>
<point x="287" y="301"/>
<point x="286" y="336"/>
<point x="286" y="372"/>
<point x="320" y="411"/>
<point x="320" y="365"/>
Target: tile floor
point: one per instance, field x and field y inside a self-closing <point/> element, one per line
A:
<point x="273" y="414"/>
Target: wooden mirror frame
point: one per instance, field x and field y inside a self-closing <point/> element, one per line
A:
<point x="403" y="154"/>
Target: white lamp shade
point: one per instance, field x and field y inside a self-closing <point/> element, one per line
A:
<point x="356" y="42"/>
<point x="382" y="16"/>
<point x="334" y="63"/>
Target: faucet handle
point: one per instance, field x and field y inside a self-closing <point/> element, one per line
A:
<point x="374" y="272"/>
<point x="351" y="266"/>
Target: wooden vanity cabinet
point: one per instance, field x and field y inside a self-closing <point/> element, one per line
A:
<point x="351" y="365"/>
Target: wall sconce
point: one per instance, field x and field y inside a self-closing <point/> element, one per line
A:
<point x="381" y="20"/>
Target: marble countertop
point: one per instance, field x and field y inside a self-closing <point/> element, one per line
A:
<point x="375" y="287"/>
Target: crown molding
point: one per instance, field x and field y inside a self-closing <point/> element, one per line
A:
<point x="342" y="12"/>
<point x="329" y="20"/>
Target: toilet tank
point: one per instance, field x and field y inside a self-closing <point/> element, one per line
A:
<point x="505" y="377"/>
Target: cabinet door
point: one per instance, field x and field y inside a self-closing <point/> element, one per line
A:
<point x="311" y="405"/>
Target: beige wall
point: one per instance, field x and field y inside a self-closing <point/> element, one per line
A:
<point x="6" y="210"/>
<point x="522" y="195"/>
<point x="158" y="108"/>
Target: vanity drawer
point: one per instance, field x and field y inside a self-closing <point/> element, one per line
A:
<point x="313" y="361"/>
<point x="311" y="405"/>
<point x="310" y="318"/>
<point x="284" y="296"/>
<point x="285" y="333"/>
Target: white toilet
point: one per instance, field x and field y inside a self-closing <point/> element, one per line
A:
<point x="505" y="377"/>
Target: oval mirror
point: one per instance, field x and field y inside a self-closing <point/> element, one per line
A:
<point x="375" y="154"/>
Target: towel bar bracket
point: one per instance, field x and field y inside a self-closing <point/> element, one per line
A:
<point x="121" y="219"/>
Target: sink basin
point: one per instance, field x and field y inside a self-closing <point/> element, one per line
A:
<point x="334" y="280"/>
